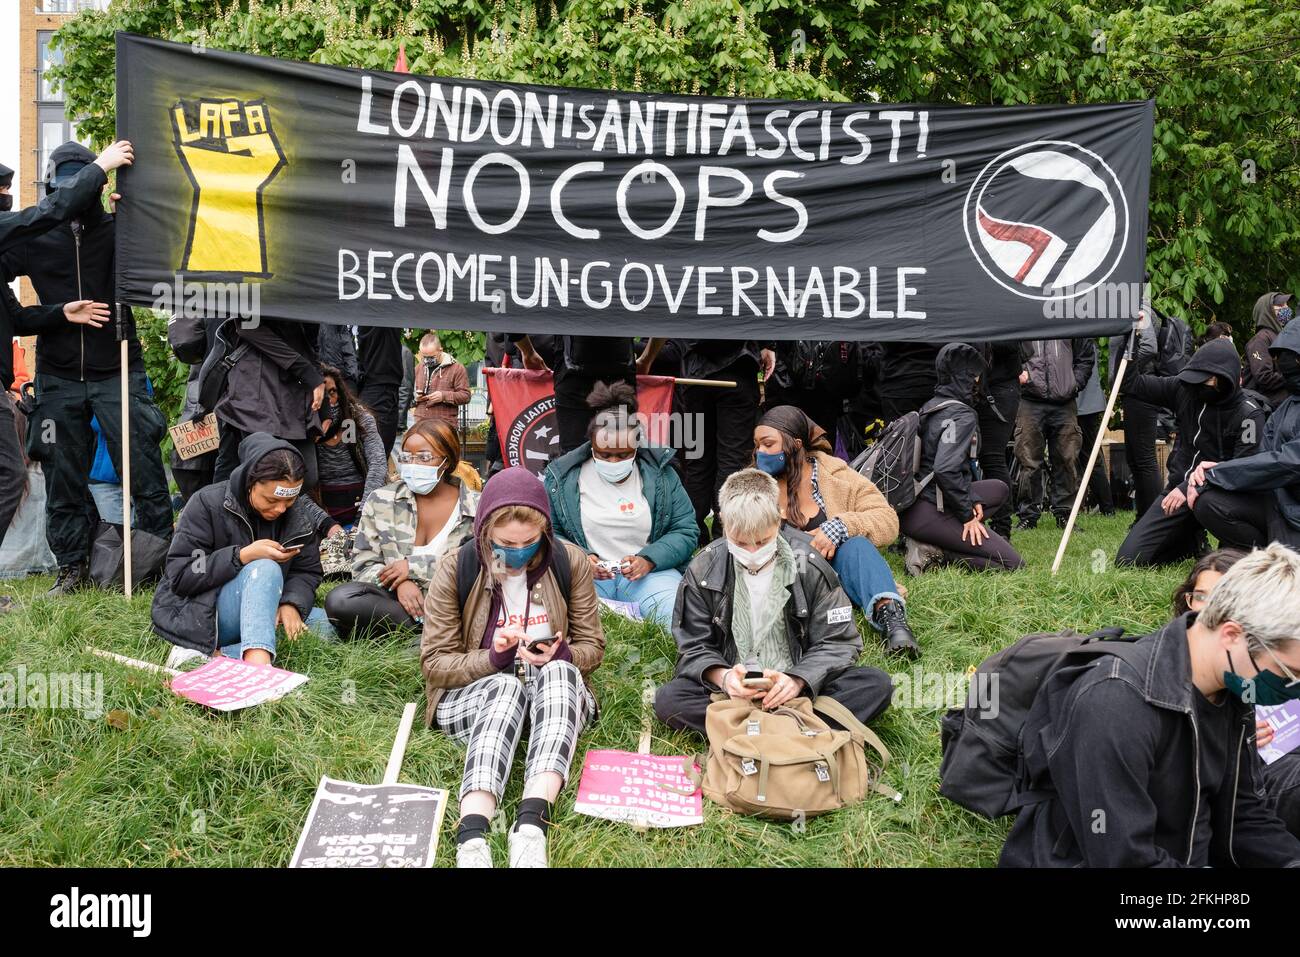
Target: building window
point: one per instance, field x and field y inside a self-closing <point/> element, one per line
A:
<point x="47" y="57"/>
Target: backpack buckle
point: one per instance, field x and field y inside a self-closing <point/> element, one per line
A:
<point x="823" y="772"/>
<point x="752" y="727"/>
<point x="747" y="767"/>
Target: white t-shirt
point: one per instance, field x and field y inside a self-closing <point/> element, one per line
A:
<point x="515" y="602"/>
<point x="615" y="518"/>
<point x="436" y="546"/>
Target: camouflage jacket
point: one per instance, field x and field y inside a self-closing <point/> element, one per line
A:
<point x="386" y="532"/>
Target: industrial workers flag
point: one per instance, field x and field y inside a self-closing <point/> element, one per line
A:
<point x="320" y="193"/>
<point x="523" y="408"/>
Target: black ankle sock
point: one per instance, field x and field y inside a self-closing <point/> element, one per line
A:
<point x="471" y="826"/>
<point x="535" y="811"/>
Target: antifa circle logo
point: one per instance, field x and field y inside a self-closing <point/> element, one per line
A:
<point x="1047" y="220"/>
<point x="534" y="439"/>
<point x="230" y="154"/>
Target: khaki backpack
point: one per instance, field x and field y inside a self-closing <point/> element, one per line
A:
<point x="787" y="762"/>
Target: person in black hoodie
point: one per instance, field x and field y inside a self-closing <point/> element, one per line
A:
<point x="244" y="561"/>
<point x="948" y="514"/>
<point x="1254" y="500"/>
<point x="906" y="376"/>
<point x="276" y="386"/>
<point x="1141" y="757"/>
<point x="1217" y="421"/>
<point x="78" y="370"/>
<point x="997" y="420"/>
<point x="15" y="319"/>
<point x="379" y="357"/>
<point x="6" y="184"/>
<point x="1271" y="312"/>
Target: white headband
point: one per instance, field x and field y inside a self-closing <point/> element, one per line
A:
<point x="284" y="491"/>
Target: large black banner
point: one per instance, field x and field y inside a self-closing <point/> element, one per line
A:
<point x="321" y="193"/>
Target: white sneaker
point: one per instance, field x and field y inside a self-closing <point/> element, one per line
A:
<point x="527" y="846"/>
<point x="921" y="557"/>
<point x="180" y="657"/>
<point x="474" y="853"/>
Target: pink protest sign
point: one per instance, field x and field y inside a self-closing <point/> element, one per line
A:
<point x="638" y="789"/>
<point x="228" y="684"/>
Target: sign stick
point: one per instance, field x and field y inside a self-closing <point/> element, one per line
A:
<point x="1092" y="460"/>
<point x="399" y="744"/>
<point x="133" y="662"/>
<point x="126" y="465"/>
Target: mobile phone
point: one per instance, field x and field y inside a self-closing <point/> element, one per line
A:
<point x="613" y="567"/>
<point x="754" y="676"/>
<point x="538" y="646"/>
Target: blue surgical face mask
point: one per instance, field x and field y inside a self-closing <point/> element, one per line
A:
<point x="1264" y="688"/>
<point x="420" y="479"/>
<point x="516" y="556"/>
<point x="773" y="463"/>
<point x="613" y="471"/>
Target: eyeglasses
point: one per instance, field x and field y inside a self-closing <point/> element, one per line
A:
<point x="1197" y="599"/>
<point x="1278" y="661"/>
<point x="332" y="393"/>
<point x="420" y="458"/>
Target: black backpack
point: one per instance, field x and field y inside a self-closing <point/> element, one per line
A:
<point x="832" y="366"/>
<point x="225" y="352"/>
<point x="467" y="568"/>
<point x="893" y="461"/>
<point x="982" y="767"/>
<point x="1174" y="346"/>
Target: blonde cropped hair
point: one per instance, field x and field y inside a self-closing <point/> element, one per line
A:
<point x="749" y="504"/>
<point x="1261" y="593"/>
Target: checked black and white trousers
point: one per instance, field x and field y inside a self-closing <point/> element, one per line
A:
<point x="488" y="716"/>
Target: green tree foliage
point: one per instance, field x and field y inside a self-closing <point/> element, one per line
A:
<point x="1223" y="73"/>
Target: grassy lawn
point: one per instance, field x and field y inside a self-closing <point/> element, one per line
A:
<point x="169" y="783"/>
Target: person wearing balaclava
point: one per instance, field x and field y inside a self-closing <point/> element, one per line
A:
<point x="78" y="370"/>
<point x="946" y="522"/>
<point x="1251" y="501"/>
<point x="1217" y="421"/>
<point x="1271" y="312"/>
<point x="17" y="227"/>
<point x="404" y="528"/>
<point x="515" y="649"/>
<point x="6" y="188"/>
<point x="1152" y="738"/>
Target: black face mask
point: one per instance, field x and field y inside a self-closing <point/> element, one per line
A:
<point x="1209" y="394"/>
<point x="6" y="203"/>
<point x="1288" y="367"/>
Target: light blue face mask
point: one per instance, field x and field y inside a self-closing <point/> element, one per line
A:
<point x="613" y="472"/>
<point x="420" y="479"/>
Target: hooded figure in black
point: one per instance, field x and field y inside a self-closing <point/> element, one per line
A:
<point x="77" y="370"/>
<point x="6" y="184"/>
<point x="1271" y="312"/>
<point x="258" y="563"/>
<point x="18" y="320"/>
<point x="948" y="514"/>
<point x="1217" y="421"/>
<point x="1255" y="499"/>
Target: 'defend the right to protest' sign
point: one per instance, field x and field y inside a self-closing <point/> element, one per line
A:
<point x="643" y="789"/>
<point x="368" y="197"/>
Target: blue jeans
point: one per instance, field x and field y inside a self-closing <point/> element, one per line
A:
<point x="865" y="575"/>
<point x="655" y="594"/>
<point x="246" y="609"/>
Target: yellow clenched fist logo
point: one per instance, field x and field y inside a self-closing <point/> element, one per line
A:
<point x="231" y="154"/>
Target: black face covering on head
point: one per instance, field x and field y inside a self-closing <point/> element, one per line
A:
<point x="6" y="203"/>
<point x="1209" y="394"/>
<point x="1288" y="367"/>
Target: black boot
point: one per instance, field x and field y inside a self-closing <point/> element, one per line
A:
<point x="71" y="578"/>
<point x="891" y="619"/>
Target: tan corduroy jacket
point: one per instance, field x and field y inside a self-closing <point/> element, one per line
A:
<point x="852" y="498"/>
<point x="451" y="655"/>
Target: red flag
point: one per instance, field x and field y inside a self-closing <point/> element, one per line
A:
<point x="400" y="65"/>
<point x="523" y="407"/>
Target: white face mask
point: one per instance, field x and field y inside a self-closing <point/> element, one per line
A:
<point x="614" y="471"/>
<point x="755" y="560"/>
<point x="420" y="479"/>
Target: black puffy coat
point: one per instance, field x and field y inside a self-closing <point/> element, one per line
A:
<point x="270" y="387"/>
<point x="950" y="431"/>
<point x="1207" y="432"/>
<point x="216" y="523"/>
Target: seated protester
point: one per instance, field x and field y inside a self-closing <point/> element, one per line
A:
<point x="404" y="529"/>
<point x="260" y="566"/>
<point x="350" y="458"/>
<point x="948" y="515"/>
<point x="519" y="650"/>
<point x="1217" y="421"/>
<point x="622" y="502"/>
<point x="847" y="517"/>
<point x="1251" y="501"/>
<point x="1151" y="741"/>
<point x="1281" y="779"/>
<point x="764" y="592"/>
